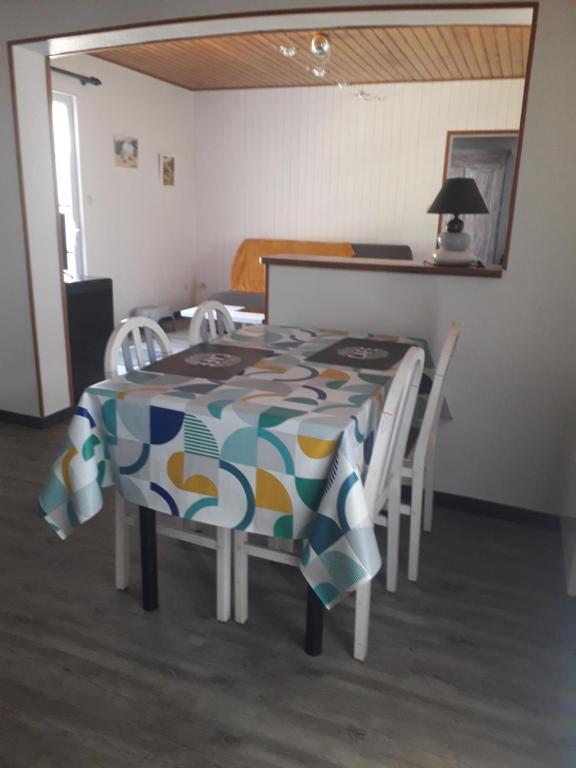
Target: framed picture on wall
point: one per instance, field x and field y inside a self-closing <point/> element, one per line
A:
<point x="488" y="157"/>
<point x="126" y="151"/>
<point x="167" y="169"/>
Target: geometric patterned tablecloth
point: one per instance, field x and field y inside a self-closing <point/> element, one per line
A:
<point x="279" y="450"/>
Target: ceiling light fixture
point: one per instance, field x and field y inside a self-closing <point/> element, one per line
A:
<point x="320" y="46"/>
<point x="321" y="49"/>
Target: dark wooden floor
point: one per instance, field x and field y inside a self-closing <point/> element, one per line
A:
<point x="473" y="667"/>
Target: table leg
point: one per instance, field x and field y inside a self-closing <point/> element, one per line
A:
<point x="314" y="624"/>
<point x="148" y="560"/>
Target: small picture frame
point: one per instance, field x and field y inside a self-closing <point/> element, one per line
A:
<point x="125" y="152"/>
<point x="167" y="170"/>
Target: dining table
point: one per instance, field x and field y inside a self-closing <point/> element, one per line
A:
<point x="268" y="430"/>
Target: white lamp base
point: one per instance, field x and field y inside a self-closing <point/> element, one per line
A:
<point x="447" y="258"/>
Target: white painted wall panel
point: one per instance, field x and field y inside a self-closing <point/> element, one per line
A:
<point x="319" y="163"/>
<point x="18" y="390"/>
<point x="505" y="442"/>
<point x="37" y="171"/>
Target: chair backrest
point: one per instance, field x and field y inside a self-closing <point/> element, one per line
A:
<point x="393" y="428"/>
<point x="130" y="341"/>
<point x="211" y="321"/>
<point x="427" y="431"/>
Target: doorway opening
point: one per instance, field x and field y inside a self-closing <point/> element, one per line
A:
<point x="490" y="159"/>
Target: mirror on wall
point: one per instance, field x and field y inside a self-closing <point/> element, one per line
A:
<point x="490" y="159"/>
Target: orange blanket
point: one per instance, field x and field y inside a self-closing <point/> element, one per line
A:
<point x="249" y="275"/>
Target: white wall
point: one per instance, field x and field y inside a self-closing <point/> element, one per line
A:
<point x="40" y="202"/>
<point x="138" y="232"/>
<point x="321" y="164"/>
<point x="505" y="442"/>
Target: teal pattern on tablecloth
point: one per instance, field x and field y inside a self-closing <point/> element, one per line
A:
<point x="279" y="450"/>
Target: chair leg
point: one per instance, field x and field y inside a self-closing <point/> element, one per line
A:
<point x="223" y="573"/>
<point x="122" y="543"/>
<point x="428" y="493"/>
<point x="148" y="559"/>
<point x="415" y="526"/>
<point x="314" y="623"/>
<point x="240" y="578"/>
<point x="362" y="620"/>
<point x="393" y="537"/>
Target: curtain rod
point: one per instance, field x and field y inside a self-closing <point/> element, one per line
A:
<point x="84" y="79"/>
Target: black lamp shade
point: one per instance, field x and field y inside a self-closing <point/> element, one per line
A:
<point x="458" y="195"/>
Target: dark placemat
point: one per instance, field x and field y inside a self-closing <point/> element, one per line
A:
<point x="210" y="361"/>
<point x="362" y="353"/>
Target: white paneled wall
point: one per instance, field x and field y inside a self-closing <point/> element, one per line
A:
<point x="320" y="163"/>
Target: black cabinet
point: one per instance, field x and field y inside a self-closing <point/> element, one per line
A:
<point x="90" y="323"/>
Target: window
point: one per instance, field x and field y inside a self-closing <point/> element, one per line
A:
<point x="68" y="182"/>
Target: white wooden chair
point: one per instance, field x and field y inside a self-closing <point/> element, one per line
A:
<point x="126" y="351"/>
<point x="136" y="342"/>
<point x="383" y="474"/>
<point x="382" y="484"/>
<point x="418" y="470"/>
<point x="211" y="321"/>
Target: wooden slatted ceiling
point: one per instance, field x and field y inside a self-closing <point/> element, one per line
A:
<point x="359" y="56"/>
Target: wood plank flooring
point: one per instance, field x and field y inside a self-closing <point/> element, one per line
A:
<point x="473" y="667"/>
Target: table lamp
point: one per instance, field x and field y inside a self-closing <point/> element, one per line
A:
<point x="458" y="195"/>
